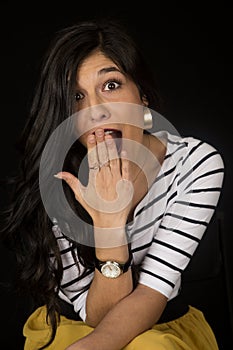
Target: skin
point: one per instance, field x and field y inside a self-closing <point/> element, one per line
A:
<point x="120" y="313"/>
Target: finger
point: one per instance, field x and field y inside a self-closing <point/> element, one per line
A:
<point x="73" y="183"/>
<point x="101" y="147"/>
<point x="112" y="153"/>
<point x="93" y="161"/>
<point x="125" y="166"/>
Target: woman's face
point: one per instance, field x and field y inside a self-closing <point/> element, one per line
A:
<point x="108" y="99"/>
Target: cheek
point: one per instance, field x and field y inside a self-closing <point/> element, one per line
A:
<point x="82" y="124"/>
<point x="80" y="130"/>
<point x="79" y="126"/>
<point x="133" y="95"/>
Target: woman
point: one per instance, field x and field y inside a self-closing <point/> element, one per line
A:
<point x="108" y="209"/>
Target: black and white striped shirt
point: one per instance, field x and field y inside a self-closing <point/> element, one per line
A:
<point x="168" y="223"/>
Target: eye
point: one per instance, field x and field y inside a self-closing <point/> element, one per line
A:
<point x="78" y="96"/>
<point x="112" y="85"/>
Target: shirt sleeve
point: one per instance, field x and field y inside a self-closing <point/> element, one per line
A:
<point x="191" y="203"/>
<point x="75" y="279"/>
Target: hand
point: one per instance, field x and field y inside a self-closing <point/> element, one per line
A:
<point x="108" y="195"/>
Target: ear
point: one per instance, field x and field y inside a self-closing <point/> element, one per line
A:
<point x="144" y="100"/>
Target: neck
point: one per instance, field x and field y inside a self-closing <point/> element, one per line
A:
<point x="138" y="169"/>
<point x="148" y="170"/>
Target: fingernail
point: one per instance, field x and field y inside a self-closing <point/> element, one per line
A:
<point x="91" y="139"/>
<point x="58" y="175"/>
<point x="99" y="132"/>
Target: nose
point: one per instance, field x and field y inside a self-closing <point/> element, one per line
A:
<point x="99" y="113"/>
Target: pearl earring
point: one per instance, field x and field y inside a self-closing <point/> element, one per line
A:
<point x="148" y="119"/>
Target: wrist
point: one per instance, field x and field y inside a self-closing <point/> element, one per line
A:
<point x="119" y="254"/>
<point x="113" y="268"/>
<point x="109" y="238"/>
<point x="110" y="220"/>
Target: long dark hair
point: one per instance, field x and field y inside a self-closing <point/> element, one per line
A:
<point x="27" y="228"/>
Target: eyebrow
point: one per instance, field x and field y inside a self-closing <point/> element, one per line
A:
<point x="108" y="69"/>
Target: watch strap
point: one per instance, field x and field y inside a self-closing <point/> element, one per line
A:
<point x="124" y="267"/>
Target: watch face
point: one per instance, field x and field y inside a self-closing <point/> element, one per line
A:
<point x="111" y="269"/>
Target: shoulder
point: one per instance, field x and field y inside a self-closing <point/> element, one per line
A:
<point x="203" y="154"/>
<point x="191" y="149"/>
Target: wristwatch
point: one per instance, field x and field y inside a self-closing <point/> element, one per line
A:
<point x="112" y="269"/>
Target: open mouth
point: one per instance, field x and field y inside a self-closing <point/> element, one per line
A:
<point x="117" y="137"/>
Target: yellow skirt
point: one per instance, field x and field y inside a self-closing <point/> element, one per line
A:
<point x="189" y="332"/>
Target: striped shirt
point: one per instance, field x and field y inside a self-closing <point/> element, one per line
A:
<point x="168" y="223"/>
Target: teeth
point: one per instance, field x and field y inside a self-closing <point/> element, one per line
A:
<point x="108" y="132"/>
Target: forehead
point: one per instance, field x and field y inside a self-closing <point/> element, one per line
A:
<point x="97" y="62"/>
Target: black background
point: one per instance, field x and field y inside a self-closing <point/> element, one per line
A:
<point x="189" y="47"/>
